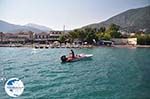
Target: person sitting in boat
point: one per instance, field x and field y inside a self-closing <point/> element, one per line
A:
<point x="71" y="55"/>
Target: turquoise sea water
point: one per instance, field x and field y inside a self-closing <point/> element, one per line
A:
<point x="113" y="73"/>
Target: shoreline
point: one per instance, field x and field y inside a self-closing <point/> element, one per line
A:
<point x="46" y="46"/>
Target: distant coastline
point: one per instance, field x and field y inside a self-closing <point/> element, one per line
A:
<point x="46" y="46"/>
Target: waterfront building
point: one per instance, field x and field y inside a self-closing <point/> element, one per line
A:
<point x="1" y="37"/>
<point x="16" y="38"/>
<point x="30" y="37"/>
<point x="125" y="41"/>
<point x="47" y="37"/>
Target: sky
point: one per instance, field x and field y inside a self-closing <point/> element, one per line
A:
<point x="57" y="13"/>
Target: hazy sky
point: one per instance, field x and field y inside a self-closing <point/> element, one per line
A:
<point x="71" y="13"/>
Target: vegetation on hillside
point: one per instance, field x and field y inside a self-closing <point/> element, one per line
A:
<point x="143" y="39"/>
<point x="92" y="34"/>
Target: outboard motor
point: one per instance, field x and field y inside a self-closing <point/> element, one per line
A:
<point x="63" y="58"/>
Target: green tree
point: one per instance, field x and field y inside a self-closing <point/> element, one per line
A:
<point x="100" y="35"/>
<point x="113" y="30"/>
<point x="62" y="38"/>
<point x="114" y="27"/>
<point x="72" y="36"/>
<point x="143" y="40"/>
<point x="81" y="35"/>
<point x="102" y="29"/>
<point x="115" y="34"/>
<point x="90" y="36"/>
<point x="89" y="30"/>
<point x="106" y="36"/>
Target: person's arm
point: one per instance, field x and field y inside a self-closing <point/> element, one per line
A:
<point x="72" y="53"/>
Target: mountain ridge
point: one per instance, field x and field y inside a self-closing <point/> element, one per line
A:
<point x="132" y="20"/>
<point x="13" y="28"/>
<point x="41" y="27"/>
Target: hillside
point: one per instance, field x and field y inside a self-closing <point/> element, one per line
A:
<point x="41" y="27"/>
<point x="8" y="27"/>
<point x="132" y="20"/>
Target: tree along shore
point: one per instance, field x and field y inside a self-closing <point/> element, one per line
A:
<point x="92" y="35"/>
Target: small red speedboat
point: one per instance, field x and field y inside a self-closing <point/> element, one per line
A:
<point x="77" y="57"/>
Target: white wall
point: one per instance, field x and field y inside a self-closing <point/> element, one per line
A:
<point x="124" y="41"/>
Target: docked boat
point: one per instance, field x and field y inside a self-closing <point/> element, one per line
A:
<point x="78" y="57"/>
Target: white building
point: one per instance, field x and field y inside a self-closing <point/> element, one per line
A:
<point x="125" y="41"/>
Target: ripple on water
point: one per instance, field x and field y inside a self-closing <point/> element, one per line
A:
<point x="111" y="74"/>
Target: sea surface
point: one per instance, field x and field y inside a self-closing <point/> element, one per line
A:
<point x="112" y="73"/>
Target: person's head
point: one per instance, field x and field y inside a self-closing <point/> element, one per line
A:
<point x="63" y="58"/>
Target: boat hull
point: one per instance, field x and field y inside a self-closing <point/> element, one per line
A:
<point x="80" y="57"/>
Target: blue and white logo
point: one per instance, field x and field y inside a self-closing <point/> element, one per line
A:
<point x="14" y="87"/>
